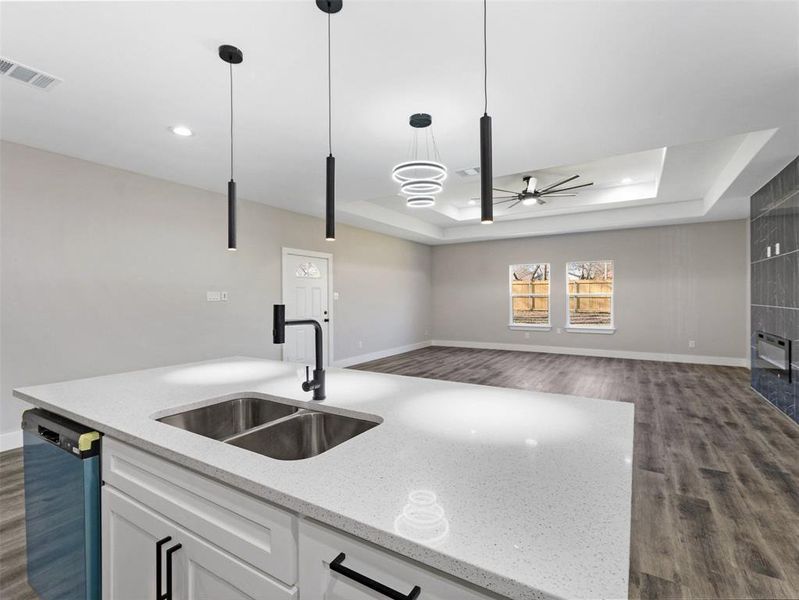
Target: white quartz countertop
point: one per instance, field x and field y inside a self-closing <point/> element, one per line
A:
<point x="535" y="488"/>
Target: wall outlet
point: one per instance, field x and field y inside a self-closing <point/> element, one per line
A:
<point x="223" y="296"/>
<point x="335" y="295"/>
<point x="691" y="344"/>
<point x="768" y="251"/>
<point x="360" y="343"/>
<point x="213" y="296"/>
<point x="777" y="249"/>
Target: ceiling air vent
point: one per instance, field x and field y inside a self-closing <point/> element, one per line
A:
<point x="469" y="172"/>
<point x="27" y="75"/>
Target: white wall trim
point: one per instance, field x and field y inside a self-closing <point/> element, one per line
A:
<point x="362" y="358"/>
<point x="724" y="361"/>
<point x="10" y="440"/>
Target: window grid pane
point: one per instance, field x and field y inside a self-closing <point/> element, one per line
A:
<point x="590" y="291"/>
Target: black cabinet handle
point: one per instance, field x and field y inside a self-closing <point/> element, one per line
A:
<point x="338" y="567"/>
<point x="167" y="595"/>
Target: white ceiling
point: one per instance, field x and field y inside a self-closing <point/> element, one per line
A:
<point x="595" y="86"/>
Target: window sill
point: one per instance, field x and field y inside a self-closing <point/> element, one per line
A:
<point x="530" y="327"/>
<point x="601" y="330"/>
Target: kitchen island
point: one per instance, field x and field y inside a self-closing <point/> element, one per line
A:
<point x="532" y="491"/>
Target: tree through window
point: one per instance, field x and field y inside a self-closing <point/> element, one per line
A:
<point x="590" y="290"/>
<point x="529" y="294"/>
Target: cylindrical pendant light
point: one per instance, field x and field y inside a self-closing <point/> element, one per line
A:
<point x="231" y="215"/>
<point x="486" y="161"/>
<point x="330" y="197"/>
<point x="330" y="7"/>
<point x="232" y="56"/>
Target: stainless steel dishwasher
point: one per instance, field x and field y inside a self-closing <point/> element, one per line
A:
<point x="62" y="506"/>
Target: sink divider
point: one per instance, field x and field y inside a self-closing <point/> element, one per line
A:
<point x="267" y="425"/>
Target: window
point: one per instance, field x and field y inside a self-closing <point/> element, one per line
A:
<point x="529" y="295"/>
<point x="308" y="270"/>
<point x="590" y="290"/>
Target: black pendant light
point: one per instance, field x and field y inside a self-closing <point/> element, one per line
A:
<point x="330" y="7"/>
<point x="486" y="171"/>
<point x="232" y="56"/>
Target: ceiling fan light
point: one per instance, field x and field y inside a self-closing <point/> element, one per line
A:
<point x="528" y="201"/>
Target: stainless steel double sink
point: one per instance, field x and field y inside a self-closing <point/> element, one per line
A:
<point x="269" y="427"/>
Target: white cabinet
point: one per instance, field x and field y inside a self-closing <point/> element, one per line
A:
<point x="320" y="546"/>
<point x="259" y="533"/>
<point x="234" y="546"/>
<point x="200" y="570"/>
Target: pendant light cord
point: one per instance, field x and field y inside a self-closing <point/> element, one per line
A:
<point x="231" y="120"/>
<point x="485" y="56"/>
<point x="329" y="94"/>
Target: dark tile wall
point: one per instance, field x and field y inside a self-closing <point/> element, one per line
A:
<point x="774" y="214"/>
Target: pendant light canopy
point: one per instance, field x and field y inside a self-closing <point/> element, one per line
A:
<point x="232" y="56"/>
<point x="330" y="7"/>
<point x="423" y="174"/>
<point x="486" y="161"/>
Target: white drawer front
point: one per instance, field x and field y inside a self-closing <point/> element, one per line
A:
<point x="319" y="546"/>
<point x="259" y="533"/>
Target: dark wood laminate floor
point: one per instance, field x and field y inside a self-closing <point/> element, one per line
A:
<point x="715" y="507"/>
<point x="13" y="580"/>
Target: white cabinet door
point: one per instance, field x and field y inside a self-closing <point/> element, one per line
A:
<point x="200" y="570"/>
<point x="319" y="546"/>
<point x="129" y="536"/>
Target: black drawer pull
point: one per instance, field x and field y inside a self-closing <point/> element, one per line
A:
<point x="338" y="567"/>
<point x="167" y="595"/>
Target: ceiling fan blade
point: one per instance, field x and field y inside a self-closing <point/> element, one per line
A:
<point x="504" y="201"/>
<point x="574" y="187"/>
<point x="506" y="191"/>
<point x="556" y="195"/>
<point x="561" y="182"/>
<point x="514" y="204"/>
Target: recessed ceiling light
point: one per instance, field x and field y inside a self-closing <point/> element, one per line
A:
<point x="181" y="130"/>
<point x="470" y="172"/>
<point x="627" y="180"/>
<point x="472" y="202"/>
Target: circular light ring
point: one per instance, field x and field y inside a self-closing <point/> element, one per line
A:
<point x="419" y="169"/>
<point x="421" y="201"/>
<point x="421" y="186"/>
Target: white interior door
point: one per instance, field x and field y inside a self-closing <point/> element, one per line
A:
<point x="305" y="294"/>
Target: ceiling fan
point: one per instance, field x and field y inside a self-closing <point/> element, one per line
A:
<point x="530" y="195"/>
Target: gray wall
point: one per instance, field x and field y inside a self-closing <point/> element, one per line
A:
<point x="673" y="284"/>
<point x="104" y="270"/>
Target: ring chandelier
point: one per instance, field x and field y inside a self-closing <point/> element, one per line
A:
<point x="421" y="178"/>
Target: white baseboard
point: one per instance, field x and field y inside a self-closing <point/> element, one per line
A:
<point x="362" y="358"/>
<point x="10" y="440"/>
<point x="724" y="361"/>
